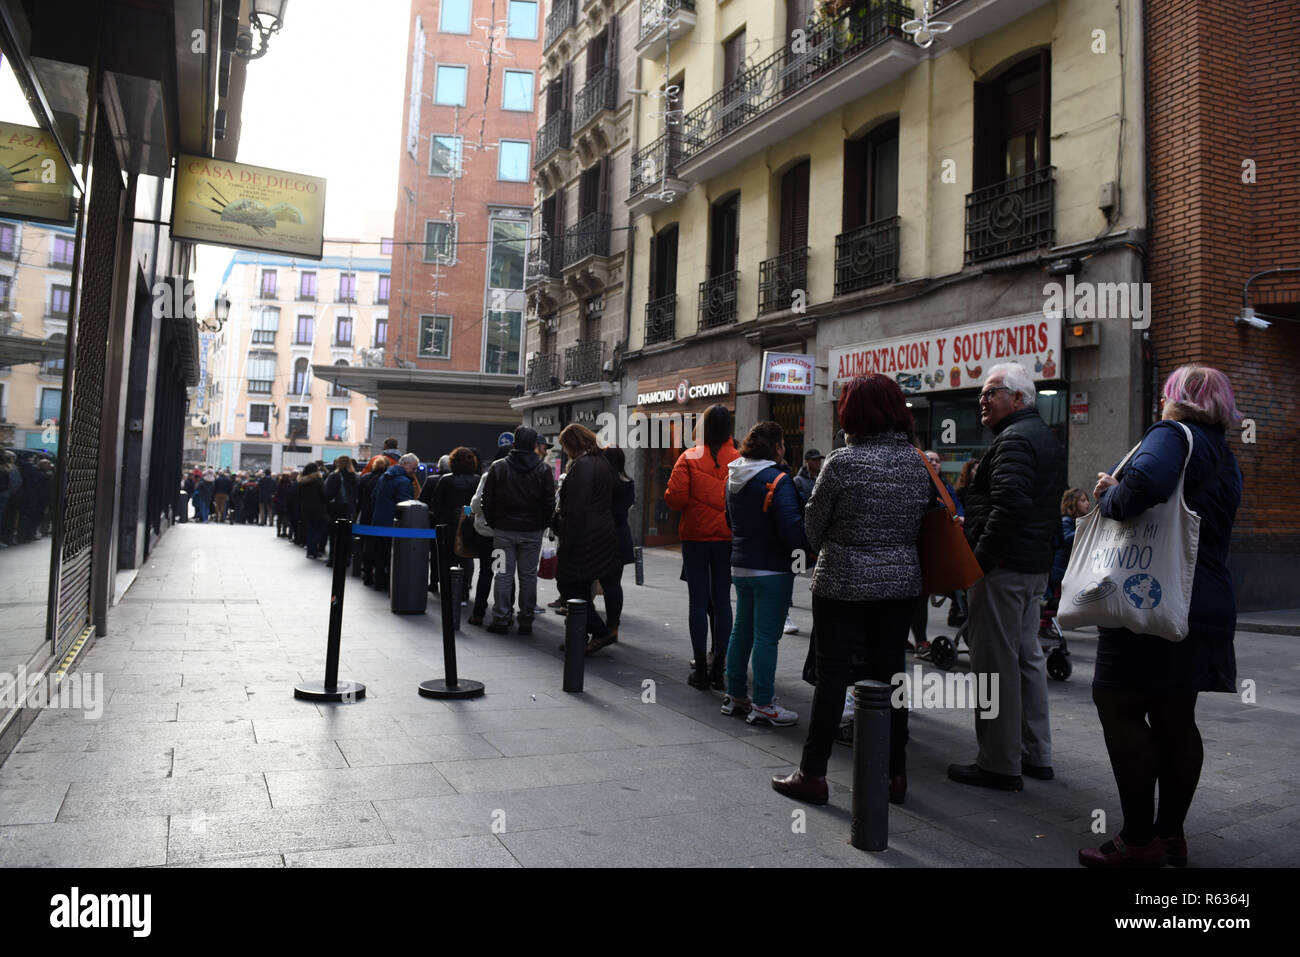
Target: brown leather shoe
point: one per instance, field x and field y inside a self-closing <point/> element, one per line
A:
<point x="1115" y="853"/>
<point x="812" y="790"/>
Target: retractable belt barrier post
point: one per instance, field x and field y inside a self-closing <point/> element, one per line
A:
<point x="871" y="716"/>
<point x="452" y="686"/>
<point x="331" y="689"/>
<point x="457" y="578"/>
<point x="639" y="557"/>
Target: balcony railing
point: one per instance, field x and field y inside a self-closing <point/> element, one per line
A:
<point x="655" y="12"/>
<point x="1011" y="217"/>
<point x="306" y="295"/>
<point x="554" y="135"/>
<point x="866" y="256"/>
<point x="544" y="260"/>
<point x="651" y="164"/>
<point x="597" y="95"/>
<point x="584" y="362"/>
<point x="564" y="14"/>
<point x="259" y="386"/>
<point x="589" y="236"/>
<point x="543" y="373"/>
<point x="343" y="342"/>
<point x="263" y="337"/>
<point x="718" y="300"/>
<point x="779" y="277"/>
<point x="829" y="44"/>
<point x="661" y="319"/>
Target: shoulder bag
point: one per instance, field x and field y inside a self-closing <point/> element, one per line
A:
<point x="1137" y="573"/>
<point x="947" y="562"/>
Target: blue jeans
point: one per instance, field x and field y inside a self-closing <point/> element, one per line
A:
<point x="708" y="583"/>
<point x="761" y="605"/>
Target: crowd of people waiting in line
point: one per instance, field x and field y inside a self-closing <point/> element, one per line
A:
<point x="26" y="497"/>
<point x="856" y="515"/>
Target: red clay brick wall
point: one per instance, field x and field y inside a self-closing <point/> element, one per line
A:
<point x="460" y="287"/>
<point x="1224" y="87"/>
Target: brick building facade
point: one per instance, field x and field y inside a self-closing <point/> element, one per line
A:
<point x="1223" y="154"/>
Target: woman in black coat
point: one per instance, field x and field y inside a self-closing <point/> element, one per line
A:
<point x="311" y="507"/>
<point x="588" y="548"/>
<point x="1145" y="687"/>
<point x="447" y="498"/>
<point x="624" y="494"/>
<point x="340" y="497"/>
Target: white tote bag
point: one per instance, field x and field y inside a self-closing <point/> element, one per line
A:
<point x="1136" y="574"/>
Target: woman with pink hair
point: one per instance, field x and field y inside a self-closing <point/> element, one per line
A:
<point x="1145" y="687"/>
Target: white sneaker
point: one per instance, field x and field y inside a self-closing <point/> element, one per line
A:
<point x="736" y="706"/>
<point x="790" y="627"/>
<point x="773" y="714"/>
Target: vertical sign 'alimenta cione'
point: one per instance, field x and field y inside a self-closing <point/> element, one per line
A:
<point x="248" y="207"/>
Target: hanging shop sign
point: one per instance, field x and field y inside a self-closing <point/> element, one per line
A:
<point x="788" y="373"/>
<point x="958" y="358"/>
<point x="35" y="182"/>
<point x="249" y="207"/>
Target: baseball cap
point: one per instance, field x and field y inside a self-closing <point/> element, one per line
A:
<point x="812" y="454"/>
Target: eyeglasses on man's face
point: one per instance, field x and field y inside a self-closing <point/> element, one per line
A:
<point x="988" y="394"/>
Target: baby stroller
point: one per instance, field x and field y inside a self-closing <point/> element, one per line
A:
<point x="942" y="651"/>
<point x="1058" y="659"/>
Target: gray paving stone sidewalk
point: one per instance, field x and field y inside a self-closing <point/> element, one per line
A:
<point x="203" y="757"/>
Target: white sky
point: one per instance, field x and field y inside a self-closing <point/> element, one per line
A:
<point x="327" y="100"/>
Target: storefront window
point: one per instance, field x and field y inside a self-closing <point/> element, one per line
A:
<point x="37" y="190"/>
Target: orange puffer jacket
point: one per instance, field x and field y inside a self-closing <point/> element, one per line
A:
<point x="698" y="489"/>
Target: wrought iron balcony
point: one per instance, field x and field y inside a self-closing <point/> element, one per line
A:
<point x="544" y="261"/>
<point x="779" y="277"/>
<point x="661" y="319"/>
<point x="584" y="362"/>
<point x="589" y="236"/>
<point x="828" y="44"/>
<point x="651" y="164"/>
<point x="655" y="12"/>
<point x="1014" y="216"/>
<point x="259" y="386"/>
<point x="543" y="373"/>
<point x="718" y="300"/>
<point x="596" y="96"/>
<point x="866" y="256"/>
<point x="554" y="135"/>
<point x="564" y="14"/>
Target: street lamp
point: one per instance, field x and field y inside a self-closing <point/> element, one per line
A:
<point x="220" y="313"/>
<point x="270" y="11"/>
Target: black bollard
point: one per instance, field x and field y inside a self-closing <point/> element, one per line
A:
<point x="452" y="686"/>
<point x="575" y="644"/>
<point x="871" y="715"/>
<point x="456" y="576"/>
<point x="408" y="577"/>
<point x="640" y="565"/>
<point x="331" y="689"/>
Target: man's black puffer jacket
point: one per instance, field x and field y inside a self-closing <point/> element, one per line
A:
<point x="519" y="494"/>
<point x="1013" y="507"/>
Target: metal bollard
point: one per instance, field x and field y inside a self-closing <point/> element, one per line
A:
<point x="575" y="644"/>
<point x="457" y="578"/>
<point x="331" y="689"/>
<point x="408" y="574"/>
<point x="871" y="716"/>
<point x="640" y="565"/>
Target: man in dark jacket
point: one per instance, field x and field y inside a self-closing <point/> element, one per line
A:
<point x="518" y="502"/>
<point x="266" y="488"/>
<point x="807" y="477"/>
<point x="365" y="515"/>
<point x="1012" y="511"/>
<point x="394" y="486"/>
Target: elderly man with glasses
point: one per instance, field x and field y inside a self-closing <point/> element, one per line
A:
<point x="1012" y="511"/>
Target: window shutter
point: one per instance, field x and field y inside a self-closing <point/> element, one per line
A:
<point x="988" y="141"/>
<point x="656" y="280"/>
<point x="604" y="185"/>
<point x="1045" y="107"/>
